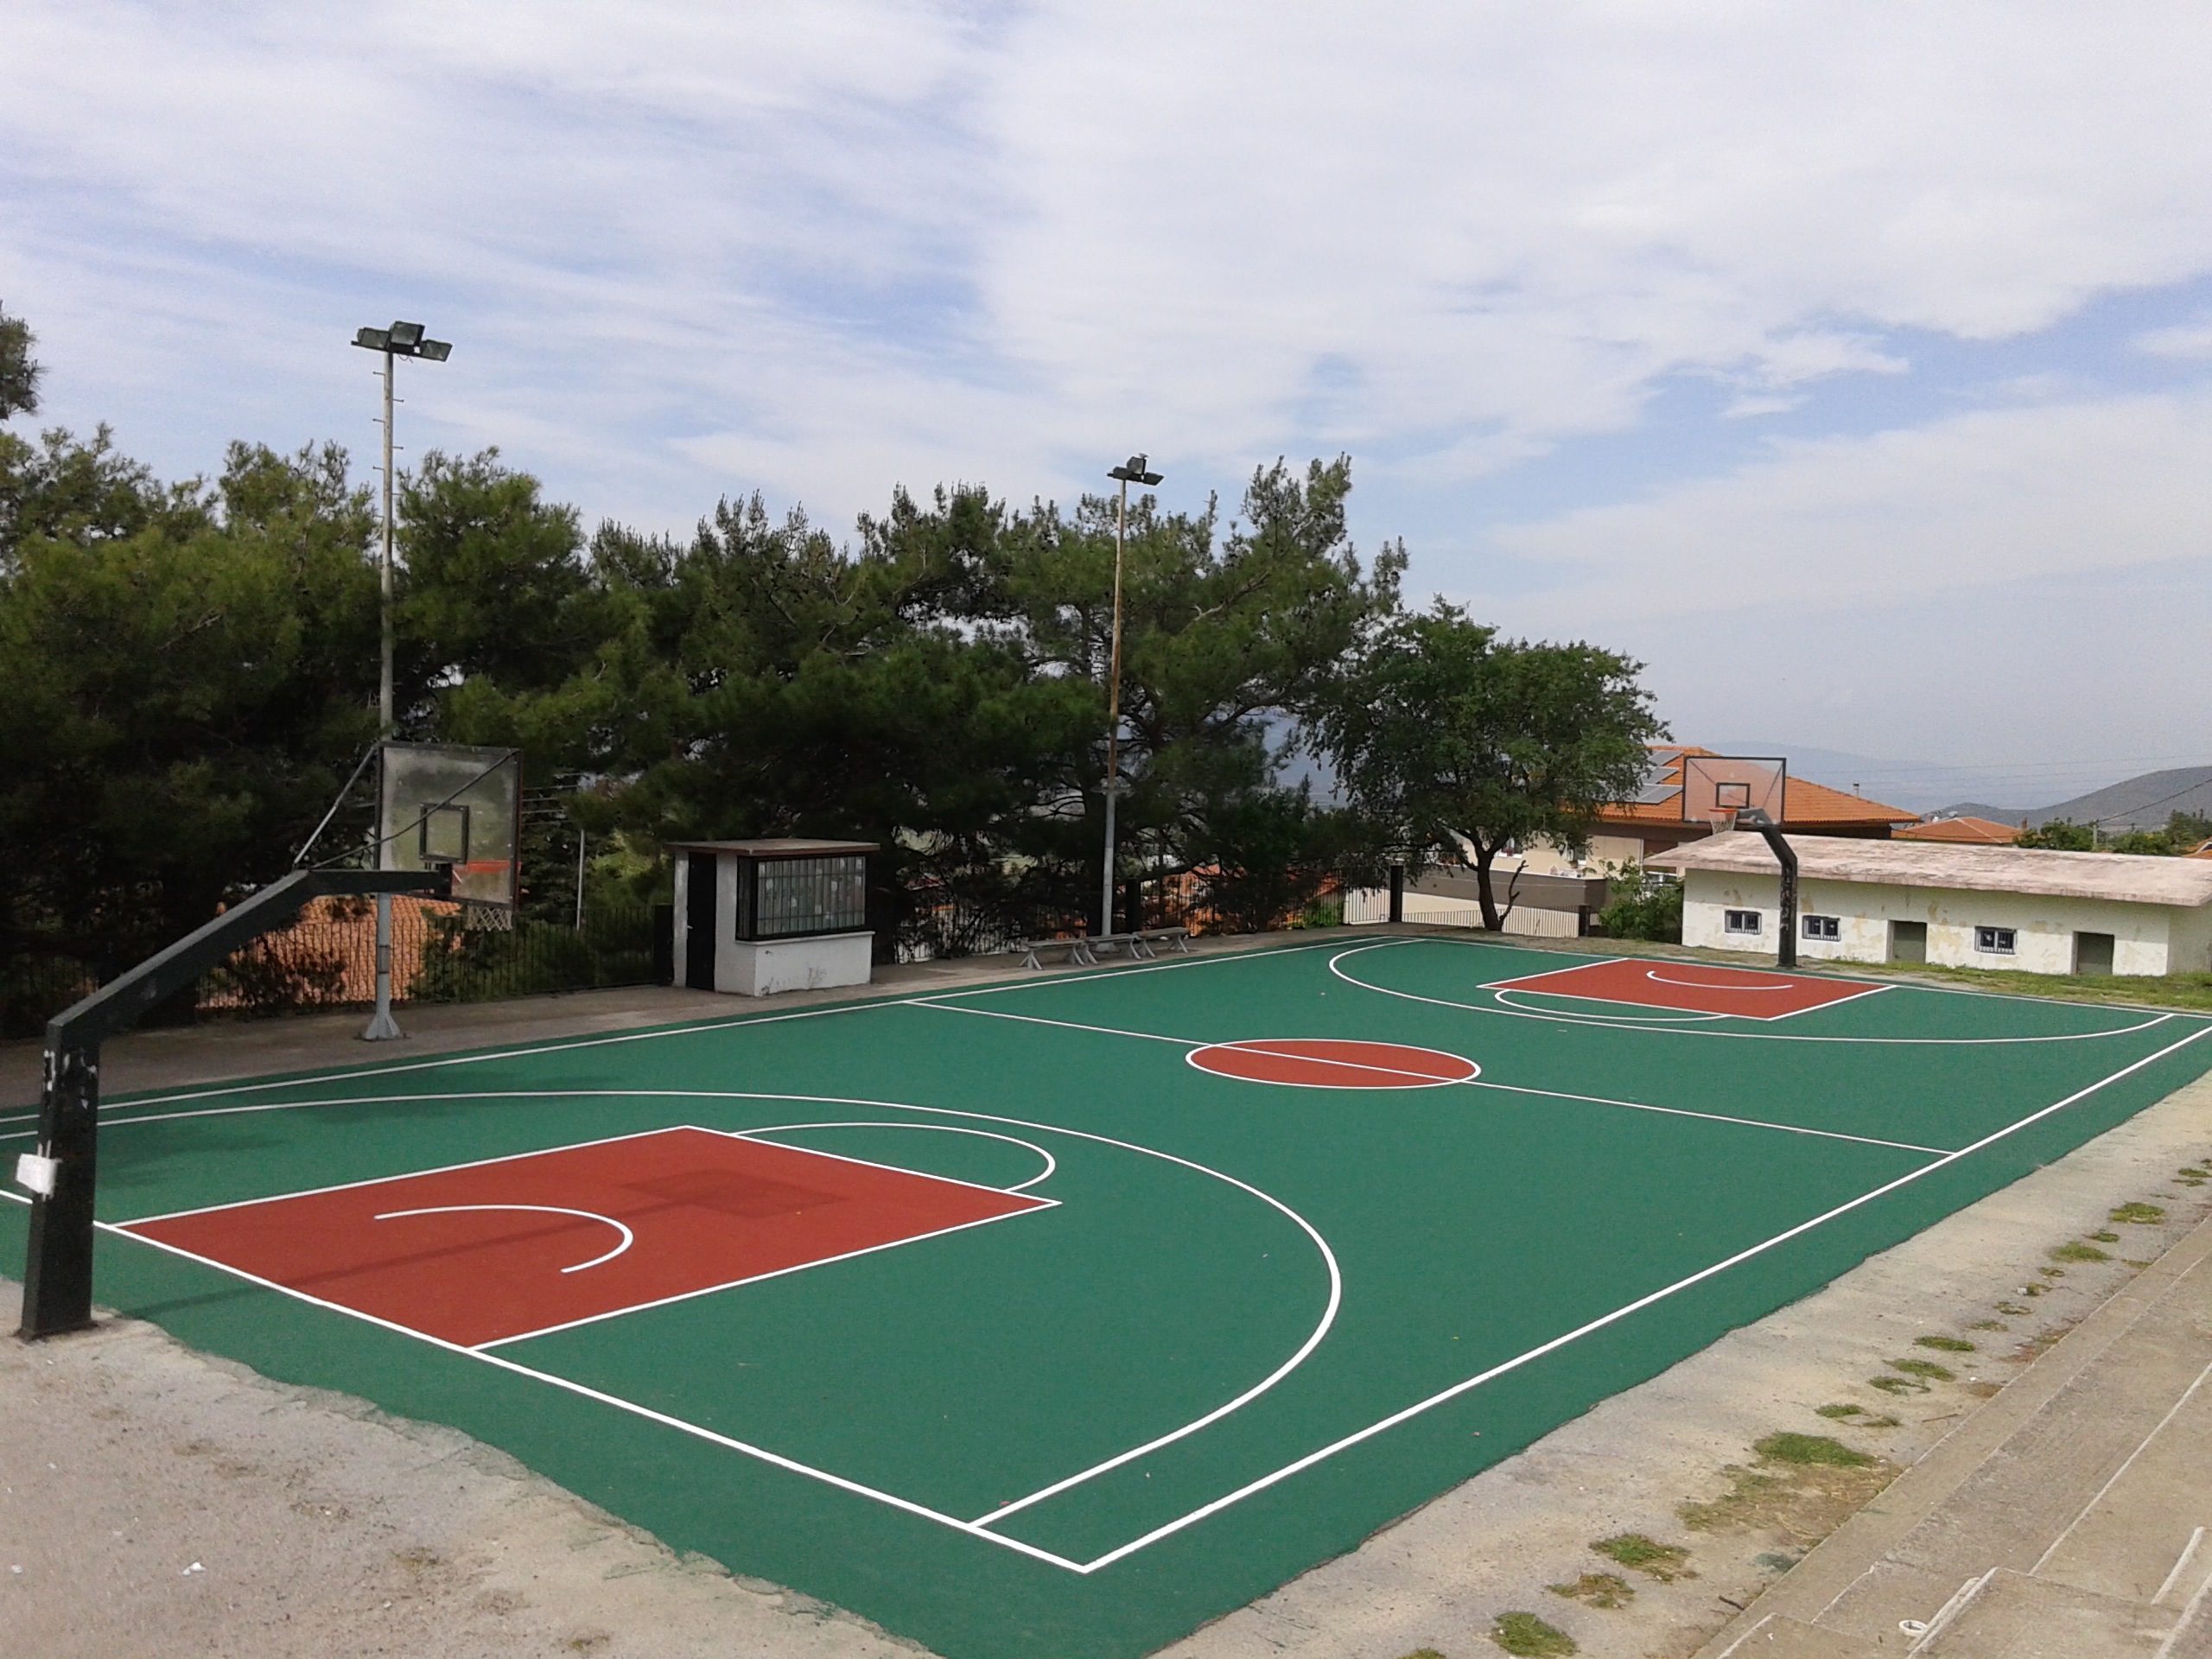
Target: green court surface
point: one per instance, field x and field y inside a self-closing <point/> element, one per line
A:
<point x="1253" y="1321"/>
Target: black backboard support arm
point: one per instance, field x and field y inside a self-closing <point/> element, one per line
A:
<point x="1753" y="819"/>
<point x="58" y="1265"/>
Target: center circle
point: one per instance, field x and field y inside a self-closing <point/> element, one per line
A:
<point x="1333" y="1063"/>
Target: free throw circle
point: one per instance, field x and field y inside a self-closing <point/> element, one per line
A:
<point x="1333" y="1063"/>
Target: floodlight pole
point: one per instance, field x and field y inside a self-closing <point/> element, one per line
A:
<point x="1133" y="470"/>
<point x="401" y="340"/>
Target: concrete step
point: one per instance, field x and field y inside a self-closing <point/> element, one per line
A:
<point x="1781" y="1637"/>
<point x="2011" y="1616"/>
<point x="2100" y="1491"/>
<point x="2128" y="1539"/>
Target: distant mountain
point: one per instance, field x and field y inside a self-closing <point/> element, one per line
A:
<point x="1955" y="790"/>
<point x="2144" y="803"/>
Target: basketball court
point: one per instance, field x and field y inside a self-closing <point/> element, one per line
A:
<point x="1063" y="1315"/>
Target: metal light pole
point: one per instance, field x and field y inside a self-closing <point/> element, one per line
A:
<point x="1131" y="472"/>
<point x="401" y="340"/>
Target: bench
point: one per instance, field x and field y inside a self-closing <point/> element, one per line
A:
<point x="1085" y="951"/>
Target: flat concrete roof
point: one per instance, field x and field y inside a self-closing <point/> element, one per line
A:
<point x="772" y="846"/>
<point x="2128" y="878"/>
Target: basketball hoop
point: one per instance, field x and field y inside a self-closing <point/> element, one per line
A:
<point x="1723" y="817"/>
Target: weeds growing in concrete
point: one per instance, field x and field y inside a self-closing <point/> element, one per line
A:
<point x="1607" y="1590"/>
<point x="1927" y="1369"/>
<point x="1946" y="1344"/>
<point x="1803" y="1449"/>
<point x="1665" y="1562"/>
<point x="1527" y="1637"/>
<point x="2075" y="1251"/>
<point x="2142" y="1215"/>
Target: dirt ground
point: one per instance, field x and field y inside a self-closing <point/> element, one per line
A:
<point x="157" y="1501"/>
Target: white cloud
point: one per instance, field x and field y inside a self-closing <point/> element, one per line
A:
<point x="1916" y="515"/>
<point x="2006" y="580"/>
<point x="818" y="249"/>
<point x="2192" y="339"/>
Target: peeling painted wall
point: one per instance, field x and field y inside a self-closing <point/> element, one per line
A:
<point x="2146" y="939"/>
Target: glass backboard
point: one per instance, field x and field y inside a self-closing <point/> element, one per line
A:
<point x="453" y="805"/>
<point x="1730" y="783"/>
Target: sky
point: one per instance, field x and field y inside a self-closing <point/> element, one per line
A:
<point x="1848" y="364"/>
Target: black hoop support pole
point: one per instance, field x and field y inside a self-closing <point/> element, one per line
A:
<point x="61" y="1173"/>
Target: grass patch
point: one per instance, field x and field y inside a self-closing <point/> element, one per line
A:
<point x="1665" y="1562"/>
<point x="1991" y="1325"/>
<point x="1806" y="1449"/>
<point x="1424" y="1653"/>
<point x="1927" y="1369"/>
<point x="1527" y="1637"/>
<point x="1858" y="1416"/>
<point x="2051" y="1273"/>
<point x="1946" y="1344"/>
<point x="1897" y="1385"/>
<point x="2141" y="990"/>
<point x="1596" y="1589"/>
<point x="2142" y="1215"/>
<point x="2013" y="1308"/>
<point x="2075" y="1251"/>
<point x="1803" y="1485"/>
<point x="2035" y="1290"/>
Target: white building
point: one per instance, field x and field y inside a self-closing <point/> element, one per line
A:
<point x="1961" y="906"/>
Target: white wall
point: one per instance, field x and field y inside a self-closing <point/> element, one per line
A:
<point x="1439" y="910"/>
<point x="2146" y="939"/>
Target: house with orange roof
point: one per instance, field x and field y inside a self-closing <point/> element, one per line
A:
<point x="1965" y="830"/>
<point x="1673" y="806"/>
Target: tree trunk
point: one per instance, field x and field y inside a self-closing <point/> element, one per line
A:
<point x="1484" y="855"/>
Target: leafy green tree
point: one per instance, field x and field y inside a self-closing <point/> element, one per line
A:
<point x="1226" y="637"/>
<point x="184" y="697"/>
<point x="19" y="371"/>
<point x="1451" y="734"/>
<point x="2059" y="836"/>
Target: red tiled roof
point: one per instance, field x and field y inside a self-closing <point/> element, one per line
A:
<point x="1981" y="831"/>
<point x="1805" y="805"/>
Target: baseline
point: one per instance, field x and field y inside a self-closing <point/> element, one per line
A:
<point x="1687" y="1029"/>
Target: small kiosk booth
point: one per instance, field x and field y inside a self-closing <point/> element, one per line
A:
<point x="754" y="918"/>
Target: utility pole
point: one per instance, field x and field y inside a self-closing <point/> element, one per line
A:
<point x="401" y="340"/>
<point x="1132" y="471"/>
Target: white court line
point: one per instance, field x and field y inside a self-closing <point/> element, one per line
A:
<point x="1320" y="1330"/>
<point x="1458" y="1389"/>
<point x="1194" y="1044"/>
<point x="309" y="1079"/>
<point x="1259" y="1045"/>
<point x="762" y="1453"/>
<point x="1050" y="1163"/>
<point x="1716" y="1117"/>
<point x="1529" y="984"/>
<point x="375" y="1180"/>
<point x="628" y="1237"/>
<point x="1035" y="1204"/>
<point x="1251" y="1488"/>
<point x="1682" y="1017"/>
<point x="1687" y="1029"/>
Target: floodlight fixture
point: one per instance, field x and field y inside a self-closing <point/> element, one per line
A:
<point x="401" y="340"/>
<point x="1135" y="470"/>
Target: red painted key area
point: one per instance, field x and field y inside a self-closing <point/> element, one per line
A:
<point x="495" y="1250"/>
